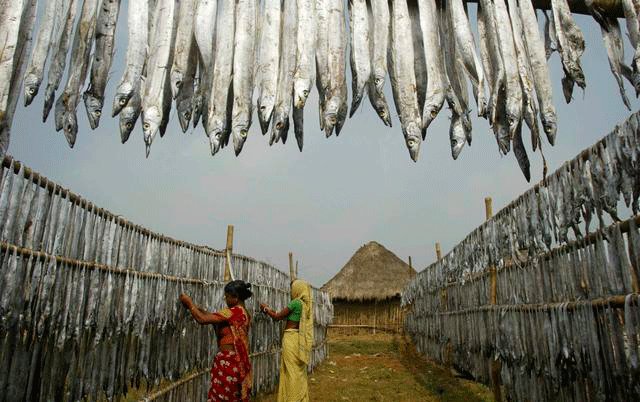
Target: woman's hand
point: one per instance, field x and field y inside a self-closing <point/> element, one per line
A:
<point x="264" y="308"/>
<point x="186" y="301"/>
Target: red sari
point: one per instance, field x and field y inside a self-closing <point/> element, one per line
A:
<point x="231" y="371"/>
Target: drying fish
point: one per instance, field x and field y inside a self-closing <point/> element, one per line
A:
<point x="182" y="54"/>
<point x="243" y="71"/>
<point x="138" y="35"/>
<point x="158" y="67"/>
<point x="10" y="32"/>
<point x="284" y="94"/>
<point x="335" y="110"/>
<point x="420" y="63"/>
<point x="436" y="84"/>
<point x="221" y="80"/>
<point x="186" y="94"/>
<point x="306" y="39"/>
<point x="612" y="38"/>
<point x="129" y="116"/>
<point x="401" y="71"/>
<point x="322" y="56"/>
<point x="465" y="45"/>
<point x="41" y="47"/>
<point x="204" y="30"/>
<point x="102" y="58"/>
<point x="65" y="109"/>
<point x="379" y="25"/>
<point x="539" y="70"/>
<point x="360" y="57"/>
<point x="268" y="61"/>
<point x="570" y="42"/>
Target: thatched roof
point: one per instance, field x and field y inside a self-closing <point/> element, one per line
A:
<point x="372" y="273"/>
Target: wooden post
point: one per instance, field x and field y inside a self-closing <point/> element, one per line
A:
<point x="410" y="265"/>
<point x="292" y="272"/>
<point x="438" y="251"/>
<point x="228" y="253"/>
<point x="495" y="365"/>
<point x="296" y="269"/>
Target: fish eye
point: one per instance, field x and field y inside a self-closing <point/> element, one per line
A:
<point x="279" y="125"/>
<point x="219" y="136"/>
<point x="434" y="113"/>
<point x="243" y="133"/>
<point x="129" y="125"/>
<point x="32" y="91"/>
<point x="263" y="107"/>
<point x="411" y="143"/>
<point x="187" y="115"/>
<point x="178" y="84"/>
<point x="146" y="126"/>
<point x="305" y="92"/>
<point x="378" y="80"/>
<point x="333" y="120"/>
<point x="98" y="113"/>
<point x="122" y="102"/>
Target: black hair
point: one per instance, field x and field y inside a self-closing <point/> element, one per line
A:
<point x="239" y="289"/>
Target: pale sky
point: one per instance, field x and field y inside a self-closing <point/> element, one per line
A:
<point x="326" y="202"/>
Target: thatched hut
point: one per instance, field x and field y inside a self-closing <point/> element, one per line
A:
<point x="366" y="292"/>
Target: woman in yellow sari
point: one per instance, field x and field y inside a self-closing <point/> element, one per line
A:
<point x="297" y="342"/>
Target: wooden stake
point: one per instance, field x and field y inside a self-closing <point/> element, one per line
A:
<point x="229" y="252"/>
<point x="292" y="272"/>
<point x="488" y="207"/>
<point x="438" y="251"/>
<point x="410" y="266"/>
<point x="296" y="268"/>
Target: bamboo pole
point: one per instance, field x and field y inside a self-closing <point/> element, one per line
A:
<point x="296" y="268"/>
<point x="438" y="251"/>
<point x="410" y="265"/>
<point x="228" y="253"/>
<point x="292" y="272"/>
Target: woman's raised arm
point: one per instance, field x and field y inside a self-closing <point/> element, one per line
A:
<point x="201" y="316"/>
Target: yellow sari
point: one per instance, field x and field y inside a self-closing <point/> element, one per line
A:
<point x="296" y="350"/>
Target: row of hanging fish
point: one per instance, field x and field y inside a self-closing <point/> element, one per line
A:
<point x="555" y="352"/>
<point x="213" y="57"/>
<point x="104" y="317"/>
<point x="584" y="193"/>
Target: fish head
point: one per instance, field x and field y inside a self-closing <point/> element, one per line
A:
<point x="432" y="106"/>
<point x="265" y="111"/>
<point x="121" y="98"/>
<point x="94" y="109"/>
<point x="176" y="81"/>
<point x="549" y="125"/>
<point x="378" y="77"/>
<point x="513" y="114"/>
<point x="330" y="115"/>
<point x="197" y="109"/>
<point x="280" y="126"/>
<point x="185" y="111"/>
<point x="214" y="124"/>
<point x="239" y="133"/>
<point x="60" y="111"/>
<point x="215" y="140"/>
<point x="31" y="88"/>
<point x="382" y="109"/>
<point x="413" y="139"/>
<point x="49" y="96"/>
<point x="70" y="127"/>
<point x="151" y="121"/>
<point x="301" y="90"/>
<point x="128" y="117"/>
<point x="457" y="136"/>
<point x="502" y="137"/>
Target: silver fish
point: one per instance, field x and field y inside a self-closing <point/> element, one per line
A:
<point x="436" y="84"/>
<point x="65" y="109"/>
<point x="379" y="25"/>
<point x="221" y="80"/>
<point x="288" y="54"/>
<point x="268" y="61"/>
<point x="243" y="71"/>
<point x="204" y="27"/>
<point x="138" y="36"/>
<point x="360" y="56"/>
<point x="42" y="44"/>
<point x="158" y="67"/>
<point x="336" y="108"/>
<point x="298" y="126"/>
<point x="521" y="155"/>
<point x="570" y="42"/>
<point x="512" y="87"/>
<point x="539" y="69"/>
<point x="182" y="55"/>
<point x="633" y="27"/>
<point x="129" y="116"/>
<point x="457" y="136"/>
<point x="306" y="39"/>
<point x="102" y="58"/>
<point x="465" y="45"/>
<point x="401" y="71"/>
<point x="185" y="98"/>
<point x="10" y="32"/>
<point x="322" y="56"/>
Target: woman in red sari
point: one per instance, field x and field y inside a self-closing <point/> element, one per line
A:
<point x="231" y="371"/>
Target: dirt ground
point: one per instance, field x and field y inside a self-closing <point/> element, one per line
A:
<point x="382" y="367"/>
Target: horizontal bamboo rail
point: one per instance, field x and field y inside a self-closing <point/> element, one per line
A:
<point x="610" y="7"/>
<point x="605" y="302"/>
<point x="39" y="255"/>
<point x="173" y="386"/>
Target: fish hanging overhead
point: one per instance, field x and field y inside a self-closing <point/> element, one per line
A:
<point x="210" y="56"/>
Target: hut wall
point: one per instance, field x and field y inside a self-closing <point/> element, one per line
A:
<point x="559" y="323"/>
<point x="350" y="317"/>
<point x="57" y="241"/>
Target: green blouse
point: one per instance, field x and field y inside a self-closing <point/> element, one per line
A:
<point x="295" y="310"/>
